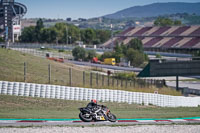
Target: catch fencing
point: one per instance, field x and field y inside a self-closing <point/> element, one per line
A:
<point x="104" y="95"/>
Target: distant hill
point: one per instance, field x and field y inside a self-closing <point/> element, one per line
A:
<point x="157" y="9"/>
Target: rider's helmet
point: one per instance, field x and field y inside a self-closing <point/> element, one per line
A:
<point x="94" y="101"/>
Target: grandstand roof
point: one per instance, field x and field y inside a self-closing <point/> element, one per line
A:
<point x="161" y="37"/>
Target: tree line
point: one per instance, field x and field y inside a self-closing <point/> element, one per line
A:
<point x="163" y="21"/>
<point x="63" y="33"/>
<point x="133" y="52"/>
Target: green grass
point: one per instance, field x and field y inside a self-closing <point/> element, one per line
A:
<point x="14" y="107"/>
<point x="12" y="69"/>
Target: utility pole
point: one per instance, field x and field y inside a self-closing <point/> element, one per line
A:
<point x="111" y="27"/>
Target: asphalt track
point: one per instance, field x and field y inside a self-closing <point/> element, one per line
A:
<point x="77" y="122"/>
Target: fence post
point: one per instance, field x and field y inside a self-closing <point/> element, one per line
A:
<point x="151" y="83"/>
<point x="102" y="80"/>
<point x="121" y="83"/>
<point x="97" y="79"/>
<point x="113" y="82"/>
<point x="117" y="83"/>
<point x="91" y="80"/>
<point x="134" y="82"/>
<point x="70" y="76"/>
<point x="108" y="80"/>
<point x="24" y="71"/>
<point x="83" y="78"/>
<point x="49" y="69"/>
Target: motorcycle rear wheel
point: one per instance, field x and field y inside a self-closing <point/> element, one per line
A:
<point x="85" y="119"/>
<point x="112" y="117"/>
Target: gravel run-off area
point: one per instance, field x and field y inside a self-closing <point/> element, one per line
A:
<point x="123" y="129"/>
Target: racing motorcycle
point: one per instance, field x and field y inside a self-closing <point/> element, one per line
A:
<point x="102" y="113"/>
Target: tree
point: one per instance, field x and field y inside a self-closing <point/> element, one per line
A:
<point x="118" y="53"/>
<point x="38" y="30"/>
<point x="60" y="29"/>
<point x="1" y="39"/>
<point x="91" y="54"/>
<point x="106" y="55"/>
<point x="136" y="44"/>
<point x="74" y="33"/>
<point x="103" y="35"/>
<point x="177" y="22"/>
<point x="28" y="34"/>
<point x="161" y="21"/>
<point x="88" y="36"/>
<point x="135" y="57"/>
<point x="79" y="53"/>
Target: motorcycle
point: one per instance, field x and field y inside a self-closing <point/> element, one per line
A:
<point x="102" y="113"/>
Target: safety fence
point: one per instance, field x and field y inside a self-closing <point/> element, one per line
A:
<point x="104" y="95"/>
<point x="43" y="53"/>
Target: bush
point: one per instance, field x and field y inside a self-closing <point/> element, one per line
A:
<point x="61" y="50"/>
<point x="91" y="54"/>
<point x="125" y="76"/>
<point x="79" y="53"/>
<point x="135" y="57"/>
<point x="158" y="56"/>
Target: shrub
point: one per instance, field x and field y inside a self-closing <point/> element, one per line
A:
<point x="125" y="76"/>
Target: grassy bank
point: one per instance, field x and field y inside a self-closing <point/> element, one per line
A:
<point x="12" y="69"/>
<point x="36" y="108"/>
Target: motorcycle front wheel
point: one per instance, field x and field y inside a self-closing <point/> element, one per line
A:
<point x="85" y="118"/>
<point x="111" y="117"/>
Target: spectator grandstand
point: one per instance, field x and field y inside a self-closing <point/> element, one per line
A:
<point x="161" y="38"/>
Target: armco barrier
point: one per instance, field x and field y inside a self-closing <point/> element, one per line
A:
<point x="76" y="93"/>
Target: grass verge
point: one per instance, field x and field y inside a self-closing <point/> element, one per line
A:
<point x="14" y="107"/>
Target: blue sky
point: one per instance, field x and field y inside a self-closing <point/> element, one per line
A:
<point x="82" y="8"/>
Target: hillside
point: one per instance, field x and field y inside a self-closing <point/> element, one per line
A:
<point x="156" y="9"/>
<point x="12" y="69"/>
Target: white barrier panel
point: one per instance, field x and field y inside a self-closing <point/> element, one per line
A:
<point x="76" y="94"/>
<point x="130" y="96"/>
<point x="103" y="95"/>
<point x="10" y="88"/>
<point x="107" y="92"/>
<point x="62" y="92"/>
<point x="89" y="94"/>
<point x="71" y="93"/>
<point x="48" y="91"/>
<point x="81" y="94"/>
<point x="119" y="96"/>
<point x="53" y="91"/>
<point x="32" y="90"/>
<point x="42" y="91"/>
<point x="85" y="94"/>
<point x="115" y="95"/>
<point x="94" y="94"/>
<point x="67" y="93"/>
<point x="4" y="88"/>
<point x="57" y="92"/>
<point x="21" y="89"/>
<point x="26" y="89"/>
<point x="99" y="95"/>
<point x="0" y="86"/>
<point x="16" y="89"/>
<point x="111" y="96"/>
<point x="37" y="90"/>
